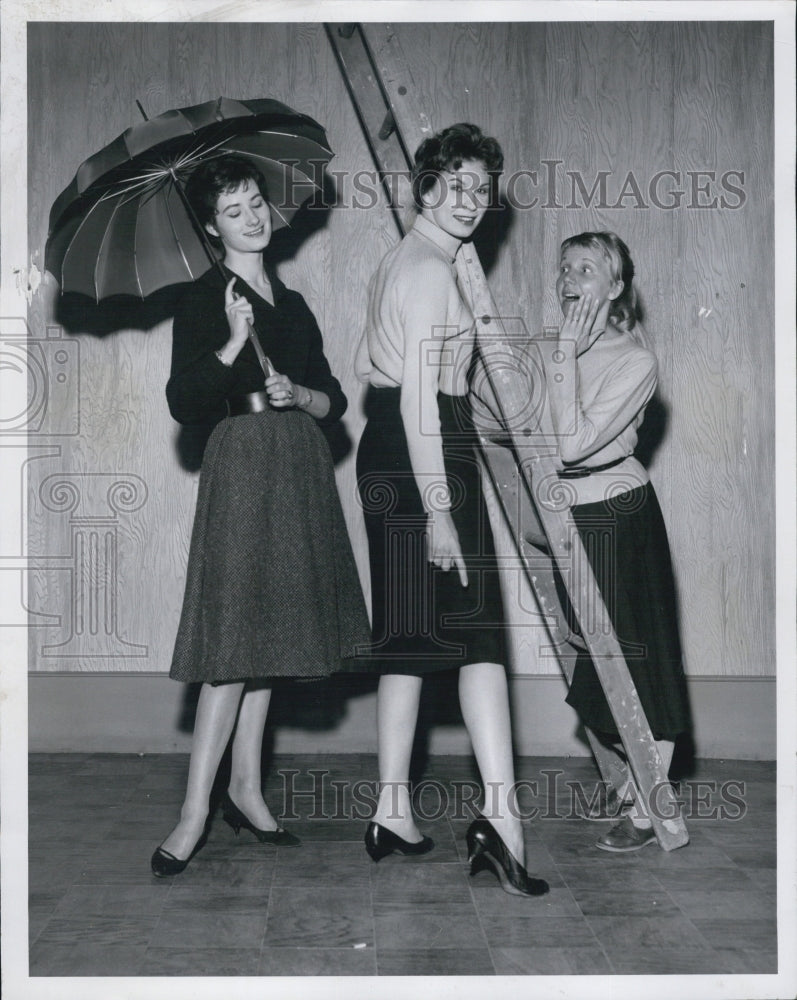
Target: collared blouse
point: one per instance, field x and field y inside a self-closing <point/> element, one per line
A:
<point x="200" y="384"/>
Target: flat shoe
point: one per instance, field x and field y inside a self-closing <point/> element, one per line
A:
<point x="606" y="808"/>
<point x="624" y="837"/>
<point x="609" y="808"/>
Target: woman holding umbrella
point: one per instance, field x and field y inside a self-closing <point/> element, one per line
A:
<point x="272" y="589"/>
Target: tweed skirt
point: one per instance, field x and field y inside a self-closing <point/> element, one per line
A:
<point x="271" y="588"/>
<point x="626" y="545"/>
<point x="424" y="620"/>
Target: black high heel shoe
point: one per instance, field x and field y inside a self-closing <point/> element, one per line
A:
<point x="164" y="864"/>
<point x="487" y="850"/>
<point x="379" y="842"/>
<point x="233" y="815"/>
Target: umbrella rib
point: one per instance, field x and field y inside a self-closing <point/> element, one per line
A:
<point x="198" y="152"/>
<point x="132" y="185"/>
<point x="291" y="135"/>
<point x="201" y="151"/>
<point x="156" y="174"/>
<point x="83" y="223"/>
<point x="274" y="209"/>
<point x="135" y="262"/>
<point x="292" y="166"/>
<point x="109" y="210"/>
<point x="170" y="217"/>
<point x="100" y="251"/>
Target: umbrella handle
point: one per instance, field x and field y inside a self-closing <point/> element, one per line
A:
<point x="265" y="363"/>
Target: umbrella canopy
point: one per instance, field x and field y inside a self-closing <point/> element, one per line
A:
<point x="122" y="227"/>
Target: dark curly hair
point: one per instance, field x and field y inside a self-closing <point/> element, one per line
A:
<point x="447" y="149"/>
<point x="623" y="308"/>
<point x="218" y="176"/>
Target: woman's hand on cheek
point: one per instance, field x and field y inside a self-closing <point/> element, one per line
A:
<point x="578" y="323"/>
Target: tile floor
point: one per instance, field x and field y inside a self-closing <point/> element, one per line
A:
<point x="246" y="909"/>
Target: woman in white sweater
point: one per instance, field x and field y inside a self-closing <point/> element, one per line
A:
<point x="600" y="377"/>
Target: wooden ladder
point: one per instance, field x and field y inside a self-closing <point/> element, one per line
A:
<point x="515" y="434"/>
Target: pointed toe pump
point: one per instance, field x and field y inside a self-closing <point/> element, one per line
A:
<point x="238" y="820"/>
<point x="165" y="865"/>
<point x="486" y="850"/>
<point x="379" y="842"/>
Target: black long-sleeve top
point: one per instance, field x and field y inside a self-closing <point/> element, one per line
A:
<point x="200" y="384"/>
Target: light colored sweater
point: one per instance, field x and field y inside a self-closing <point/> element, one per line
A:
<point x="597" y="402"/>
<point x="419" y="335"/>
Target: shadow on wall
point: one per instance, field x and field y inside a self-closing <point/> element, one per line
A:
<point x="493" y="232"/>
<point x="310" y="705"/>
<point x="313" y="705"/>
<point x="81" y="314"/>
<point x="322" y="705"/>
<point x="652" y="431"/>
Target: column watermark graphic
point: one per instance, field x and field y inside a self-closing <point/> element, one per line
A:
<point x="40" y="410"/>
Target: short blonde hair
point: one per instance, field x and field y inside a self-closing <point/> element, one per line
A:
<point x="623" y="308"/>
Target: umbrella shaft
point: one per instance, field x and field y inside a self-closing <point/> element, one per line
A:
<point x="261" y="357"/>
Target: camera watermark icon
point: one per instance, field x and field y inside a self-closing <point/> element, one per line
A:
<point x="41" y="384"/>
<point x="39" y="407"/>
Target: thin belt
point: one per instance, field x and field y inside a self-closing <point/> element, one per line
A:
<point x="582" y="471"/>
<point x="251" y="402"/>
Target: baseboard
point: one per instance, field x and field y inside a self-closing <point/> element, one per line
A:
<point x="734" y="717"/>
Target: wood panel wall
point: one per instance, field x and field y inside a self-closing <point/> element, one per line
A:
<point x="629" y="99"/>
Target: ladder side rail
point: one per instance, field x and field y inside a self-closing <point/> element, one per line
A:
<point x="520" y="514"/>
<point x="372" y="107"/>
<point x="534" y="554"/>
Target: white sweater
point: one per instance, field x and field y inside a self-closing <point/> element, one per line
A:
<point x="597" y="402"/>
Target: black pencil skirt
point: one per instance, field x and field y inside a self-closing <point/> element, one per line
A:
<point x="424" y="620"/>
